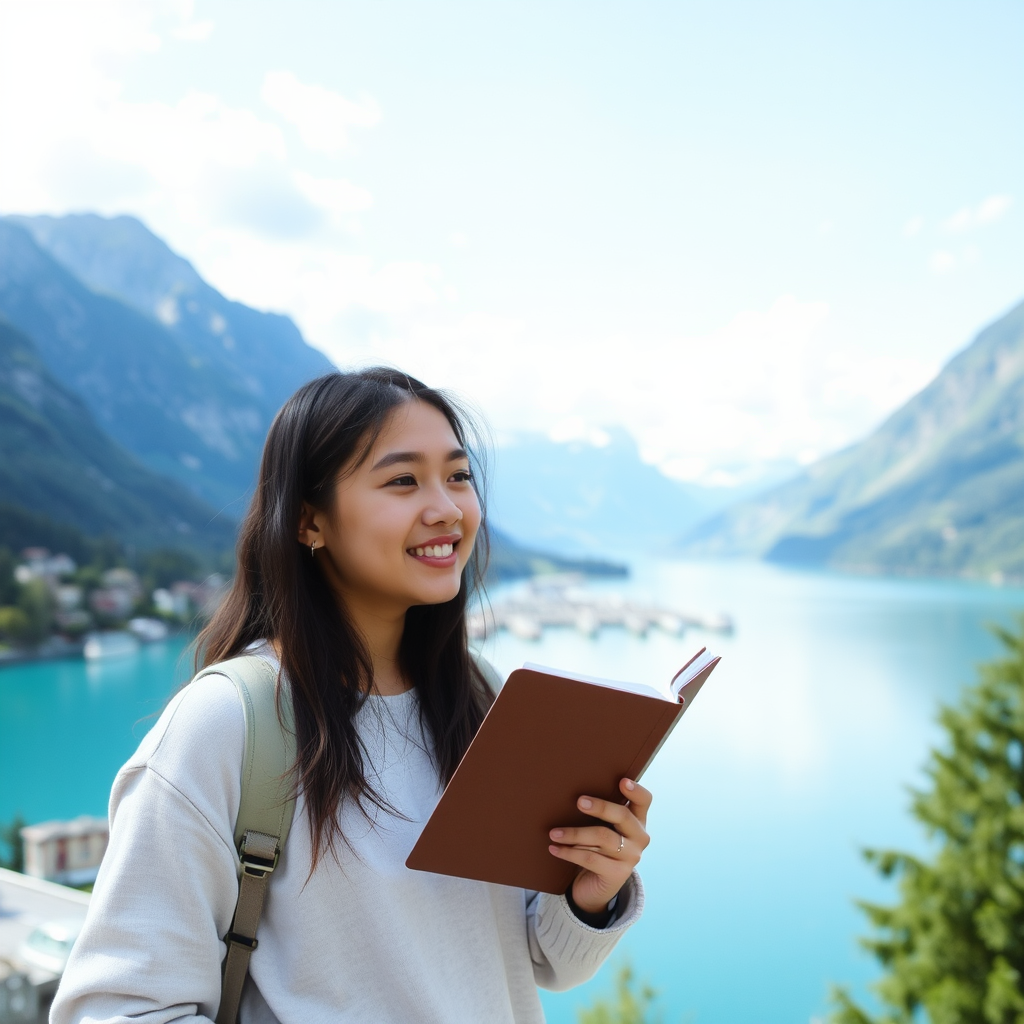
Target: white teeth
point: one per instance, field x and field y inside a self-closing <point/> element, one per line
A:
<point x="434" y="551"/>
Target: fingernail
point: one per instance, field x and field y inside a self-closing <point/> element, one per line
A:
<point x="586" y="803"/>
<point x="554" y="849"/>
<point x="557" y="833"/>
<point x="630" y="784"/>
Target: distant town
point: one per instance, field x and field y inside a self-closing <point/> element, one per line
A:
<point x="51" y="607"/>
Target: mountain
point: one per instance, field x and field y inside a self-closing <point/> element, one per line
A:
<point x="130" y="377"/>
<point x="586" y="497"/>
<point x="122" y="258"/>
<point x="59" y="465"/>
<point x="192" y="403"/>
<point x="937" y="489"/>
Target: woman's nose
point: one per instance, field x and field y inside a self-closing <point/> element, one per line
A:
<point x="442" y="510"/>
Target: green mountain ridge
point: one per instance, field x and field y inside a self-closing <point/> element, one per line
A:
<point x="937" y="489"/>
<point x="58" y="464"/>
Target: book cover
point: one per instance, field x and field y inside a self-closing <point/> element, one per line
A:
<point x="548" y="739"/>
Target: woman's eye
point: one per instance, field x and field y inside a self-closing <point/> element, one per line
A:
<point x="403" y="481"/>
<point x="462" y="476"/>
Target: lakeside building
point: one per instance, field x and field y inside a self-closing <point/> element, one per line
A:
<point x="186" y="597"/>
<point x="95" y="615"/>
<point x="66" y="852"/>
<point x="39" y="564"/>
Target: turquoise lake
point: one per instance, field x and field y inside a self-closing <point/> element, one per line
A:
<point x="798" y="753"/>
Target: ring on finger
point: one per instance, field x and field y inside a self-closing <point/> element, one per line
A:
<point x="622" y="843"/>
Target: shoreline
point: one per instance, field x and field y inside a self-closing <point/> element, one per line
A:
<point x="57" y="648"/>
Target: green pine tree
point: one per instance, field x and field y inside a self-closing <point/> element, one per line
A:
<point x="952" y="948"/>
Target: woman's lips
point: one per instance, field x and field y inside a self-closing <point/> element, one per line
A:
<point x="440" y="551"/>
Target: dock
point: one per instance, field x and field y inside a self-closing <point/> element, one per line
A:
<point x="559" y="602"/>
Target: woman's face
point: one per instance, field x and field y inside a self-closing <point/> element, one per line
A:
<point x="404" y="521"/>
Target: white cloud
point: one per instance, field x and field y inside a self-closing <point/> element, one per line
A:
<point x="576" y="428"/>
<point x="942" y="261"/>
<point x="194" y="31"/>
<point x="962" y="220"/>
<point x="323" y="118"/>
<point x="187" y="164"/>
<point x="992" y="209"/>
<point x="336" y="195"/>
<point x="986" y="212"/>
<point x="769" y="387"/>
<point x="261" y="219"/>
<point x="333" y="294"/>
<point x="177" y="143"/>
<point x="913" y="227"/>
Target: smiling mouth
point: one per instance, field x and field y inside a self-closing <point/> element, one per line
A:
<point x="433" y="550"/>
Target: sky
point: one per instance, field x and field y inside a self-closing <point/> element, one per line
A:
<point x="743" y="231"/>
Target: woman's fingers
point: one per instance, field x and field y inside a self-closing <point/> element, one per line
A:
<point x="603" y="868"/>
<point x="601" y="875"/>
<point x="639" y="799"/>
<point x="593" y="837"/>
<point x="606" y="854"/>
<point x="630" y="820"/>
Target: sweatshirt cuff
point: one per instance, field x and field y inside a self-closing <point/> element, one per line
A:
<point x="565" y="936"/>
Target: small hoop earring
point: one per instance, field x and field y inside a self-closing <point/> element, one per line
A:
<point x="312" y="549"/>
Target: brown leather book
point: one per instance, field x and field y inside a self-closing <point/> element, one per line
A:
<point x="548" y="739"/>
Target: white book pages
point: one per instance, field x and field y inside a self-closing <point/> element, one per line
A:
<point x="691" y="671"/>
<point x="616" y="684"/>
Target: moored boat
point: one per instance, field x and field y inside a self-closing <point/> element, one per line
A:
<point x="149" y="631"/>
<point x="110" y="644"/>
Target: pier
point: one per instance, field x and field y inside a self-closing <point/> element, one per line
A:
<point x="559" y="602"/>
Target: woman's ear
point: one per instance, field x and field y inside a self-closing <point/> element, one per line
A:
<point x="309" y="526"/>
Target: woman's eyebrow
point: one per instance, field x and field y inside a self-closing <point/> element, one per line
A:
<point x="392" y="458"/>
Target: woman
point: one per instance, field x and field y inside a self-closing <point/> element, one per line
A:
<point x="352" y="580"/>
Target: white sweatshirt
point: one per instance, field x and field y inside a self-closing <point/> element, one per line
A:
<point x="363" y="941"/>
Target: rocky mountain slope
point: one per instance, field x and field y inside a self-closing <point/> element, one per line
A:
<point x="937" y="489"/>
<point x="185" y="405"/>
<point x="130" y="391"/>
<point x="122" y="258"/>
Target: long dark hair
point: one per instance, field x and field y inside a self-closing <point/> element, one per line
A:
<point x="280" y="594"/>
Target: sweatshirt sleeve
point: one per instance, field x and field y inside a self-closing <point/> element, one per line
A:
<point x="565" y="951"/>
<point x="151" y="948"/>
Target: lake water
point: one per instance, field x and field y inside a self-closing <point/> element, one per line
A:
<point x="797" y="754"/>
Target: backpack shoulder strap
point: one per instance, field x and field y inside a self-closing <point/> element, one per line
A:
<point x="265" y="811"/>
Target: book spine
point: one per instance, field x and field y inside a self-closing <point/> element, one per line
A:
<point x="661" y="731"/>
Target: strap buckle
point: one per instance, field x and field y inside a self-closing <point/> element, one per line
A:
<point x="255" y="860"/>
<point x="241" y="940"/>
